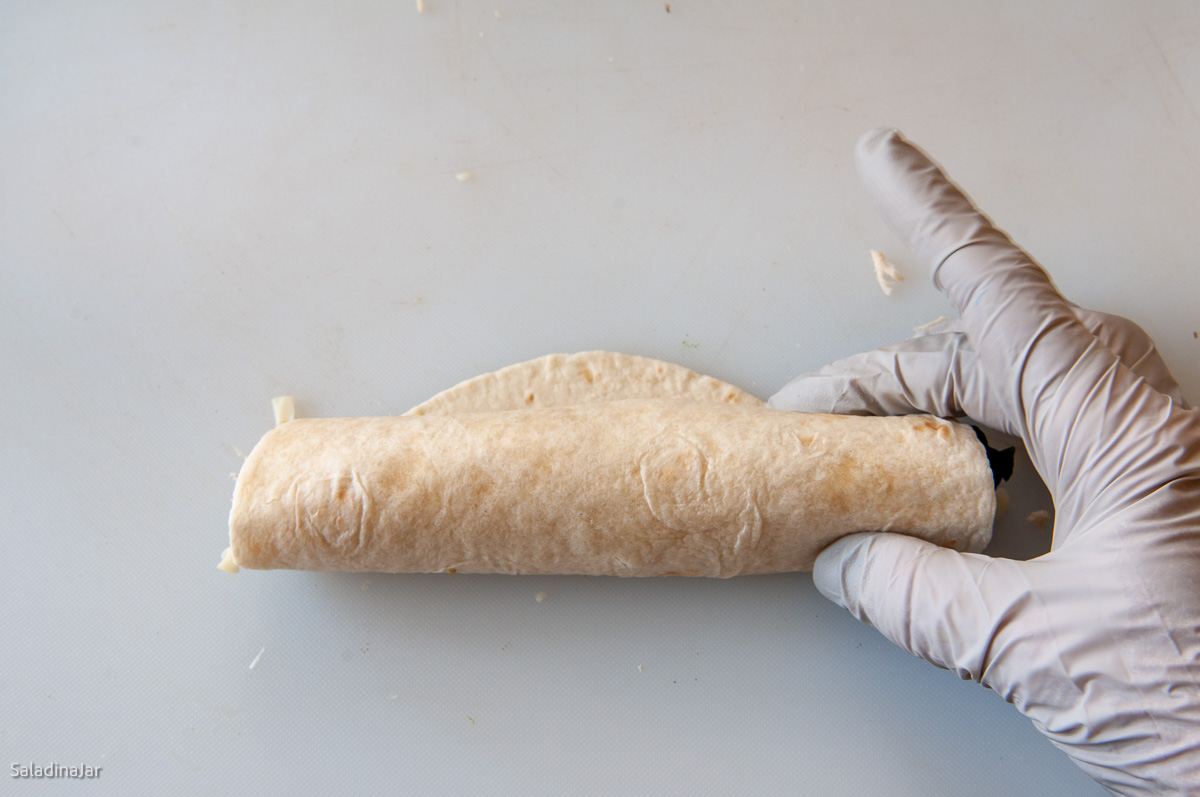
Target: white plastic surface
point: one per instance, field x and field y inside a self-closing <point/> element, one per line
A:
<point x="206" y="205"/>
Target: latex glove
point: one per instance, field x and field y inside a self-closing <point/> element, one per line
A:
<point x="1097" y="641"/>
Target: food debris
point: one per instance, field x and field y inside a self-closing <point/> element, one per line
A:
<point x="1039" y="519"/>
<point x="929" y="324"/>
<point x="256" y="658"/>
<point x="393" y="697"/>
<point x="420" y="6"/>
<point x="462" y="177"/>
<point x="668" y="8"/>
<point x="541" y="596"/>
<point x="238" y="451"/>
<point x="471" y="720"/>
<point x="284" y="408"/>
<point x="228" y="565"/>
<point x="639" y="668"/>
<point x="687" y="344"/>
<point x="885" y="273"/>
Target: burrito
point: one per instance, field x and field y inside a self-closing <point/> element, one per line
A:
<point x="638" y="487"/>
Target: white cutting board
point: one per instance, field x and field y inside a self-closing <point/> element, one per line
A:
<point x="206" y="205"/>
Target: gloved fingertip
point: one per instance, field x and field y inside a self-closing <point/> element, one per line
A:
<point x="873" y="142"/>
<point x="838" y="570"/>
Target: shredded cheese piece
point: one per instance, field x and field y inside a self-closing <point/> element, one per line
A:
<point x="227" y="563"/>
<point x="285" y="409"/>
<point x="885" y="273"/>
<point x="930" y="324"/>
<point x="1001" y="501"/>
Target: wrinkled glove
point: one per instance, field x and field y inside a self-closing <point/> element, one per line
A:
<point x="1097" y="641"/>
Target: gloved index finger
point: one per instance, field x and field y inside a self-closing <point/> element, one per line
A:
<point x="1023" y="330"/>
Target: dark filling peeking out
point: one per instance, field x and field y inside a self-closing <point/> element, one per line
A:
<point x="1001" y="462"/>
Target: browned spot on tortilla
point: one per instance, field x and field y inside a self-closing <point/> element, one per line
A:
<point x="940" y="429"/>
<point x="586" y="373"/>
<point x="930" y="426"/>
<point x="529" y="399"/>
<point x="841" y="477"/>
<point x="660" y="370"/>
<point x="732" y="398"/>
<point x="419" y="412"/>
<point x="714" y="383"/>
<point x="452" y="570"/>
<point x="341" y="492"/>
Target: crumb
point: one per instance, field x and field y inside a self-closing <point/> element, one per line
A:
<point x="462" y="177"/>
<point x="639" y="668"/>
<point x="668" y="8"/>
<point x="929" y="324"/>
<point x="541" y="596"/>
<point x="1039" y="519"/>
<point x="885" y="273"/>
<point x="420" y="6"/>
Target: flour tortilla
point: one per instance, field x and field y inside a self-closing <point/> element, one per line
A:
<point x="582" y="378"/>
<point x="642" y="487"/>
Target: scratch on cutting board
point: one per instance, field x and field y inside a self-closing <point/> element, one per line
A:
<point x="1174" y="76"/>
<point x="256" y="658"/>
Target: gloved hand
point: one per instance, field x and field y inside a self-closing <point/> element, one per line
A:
<point x="1098" y="641"/>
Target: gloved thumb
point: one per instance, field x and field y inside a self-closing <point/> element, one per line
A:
<point x="944" y="606"/>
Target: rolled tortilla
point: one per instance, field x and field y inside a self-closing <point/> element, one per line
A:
<point x="628" y="488"/>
